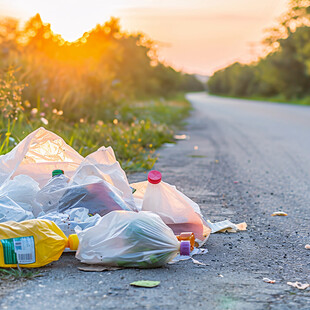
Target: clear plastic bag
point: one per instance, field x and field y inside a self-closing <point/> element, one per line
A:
<point x="50" y="194"/>
<point x="37" y="156"/>
<point x="98" y="196"/>
<point x="179" y="212"/>
<point x="72" y="219"/>
<point x="128" y="239"/>
<point x="22" y="190"/>
<point x="92" y="179"/>
<point x="102" y="165"/>
<point x="11" y="211"/>
<point x="42" y="151"/>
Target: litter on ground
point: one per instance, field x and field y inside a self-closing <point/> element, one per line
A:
<point x="145" y="283"/>
<point x="267" y="280"/>
<point x="226" y="226"/>
<point x="279" y="213"/>
<point x="299" y="285"/>
<point x="54" y="200"/>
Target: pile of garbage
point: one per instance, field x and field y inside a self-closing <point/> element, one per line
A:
<point x="52" y="199"/>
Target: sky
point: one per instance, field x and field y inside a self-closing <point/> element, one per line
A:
<point x="196" y="36"/>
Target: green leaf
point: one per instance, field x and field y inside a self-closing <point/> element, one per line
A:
<point x="144" y="283"/>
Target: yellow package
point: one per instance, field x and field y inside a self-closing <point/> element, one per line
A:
<point x="33" y="243"/>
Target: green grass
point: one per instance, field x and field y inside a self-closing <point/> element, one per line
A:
<point x="276" y="99"/>
<point x="197" y="156"/>
<point x="18" y="274"/>
<point x="134" y="130"/>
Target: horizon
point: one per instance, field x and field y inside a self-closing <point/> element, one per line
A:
<point x="198" y="38"/>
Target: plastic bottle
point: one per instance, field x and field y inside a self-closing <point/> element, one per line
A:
<point x="32" y="243"/>
<point x="57" y="172"/>
<point x="52" y="192"/>
<point x="172" y="206"/>
<point x="188" y="236"/>
<point x="58" y="180"/>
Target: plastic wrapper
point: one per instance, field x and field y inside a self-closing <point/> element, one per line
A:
<point x="72" y="219"/>
<point x="23" y="190"/>
<point x="176" y="210"/>
<point x="11" y="211"/>
<point x="128" y="239"/>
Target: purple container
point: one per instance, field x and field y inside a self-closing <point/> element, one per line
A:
<point x="185" y="248"/>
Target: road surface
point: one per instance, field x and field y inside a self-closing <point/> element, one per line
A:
<point x="242" y="160"/>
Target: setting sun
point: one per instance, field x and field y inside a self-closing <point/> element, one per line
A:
<point x="197" y="36"/>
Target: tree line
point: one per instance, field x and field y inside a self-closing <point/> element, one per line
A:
<point x="284" y="72"/>
<point x="91" y="76"/>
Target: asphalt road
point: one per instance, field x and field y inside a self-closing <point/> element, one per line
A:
<point x="242" y="161"/>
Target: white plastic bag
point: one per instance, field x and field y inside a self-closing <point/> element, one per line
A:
<point x="99" y="184"/>
<point x="128" y="239"/>
<point x="42" y="151"/>
<point x="103" y="165"/>
<point x="72" y="219"/>
<point x="37" y="156"/>
<point x="179" y="212"/>
<point x="11" y="211"/>
<point x="23" y="190"/>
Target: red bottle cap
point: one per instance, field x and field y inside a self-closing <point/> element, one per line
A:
<point x="154" y="177"/>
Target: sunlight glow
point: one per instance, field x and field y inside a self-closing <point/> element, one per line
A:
<point x="196" y="36"/>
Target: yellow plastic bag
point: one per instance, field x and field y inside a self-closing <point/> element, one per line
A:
<point x="32" y="243"/>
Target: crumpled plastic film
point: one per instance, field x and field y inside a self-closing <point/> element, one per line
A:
<point x="72" y="220"/>
<point x="22" y="190"/>
<point x="11" y="211"/>
<point x="37" y="156"/>
<point x="128" y="239"/>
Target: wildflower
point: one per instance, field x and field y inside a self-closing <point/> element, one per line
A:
<point x="34" y="111"/>
<point x="27" y="104"/>
<point x="82" y="120"/>
<point x="46" y="104"/>
<point x="54" y="111"/>
<point x="115" y="121"/>
<point x="53" y="100"/>
<point x="42" y="114"/>
<point x="100" y="123"/>
<point x="44" y="120"/>
<point x="60" y="112"/>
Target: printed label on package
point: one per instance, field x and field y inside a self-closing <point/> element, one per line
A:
<point x="19" y="250"/>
